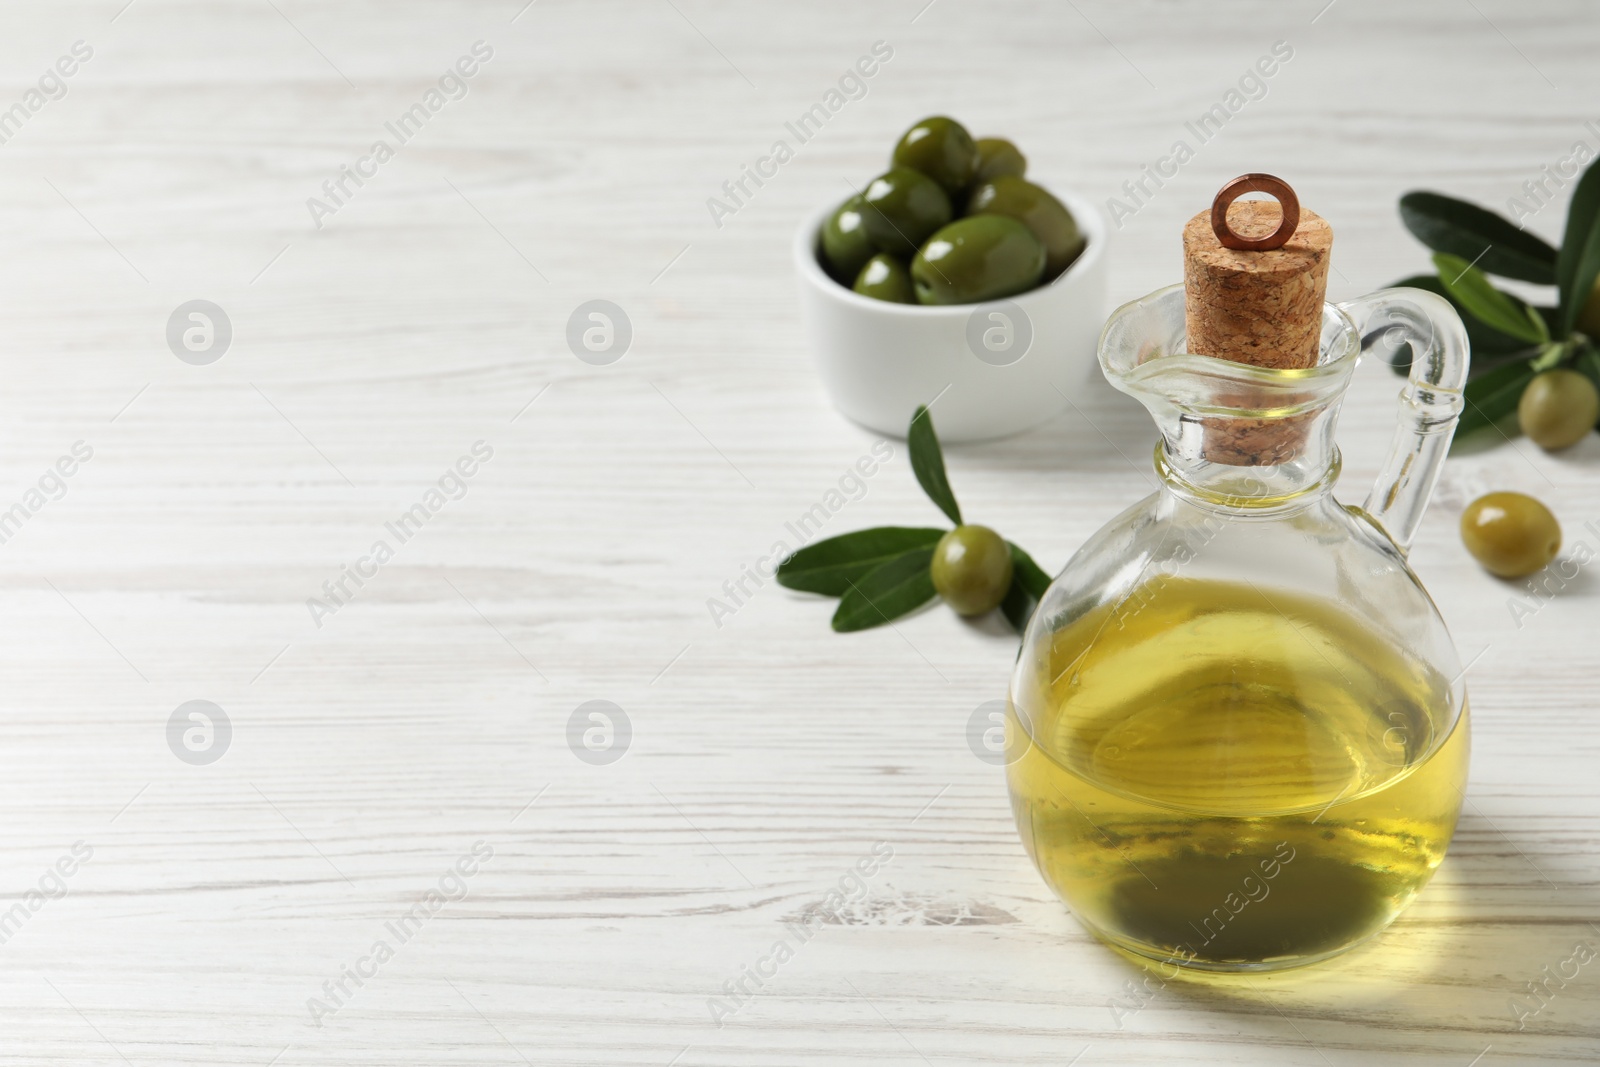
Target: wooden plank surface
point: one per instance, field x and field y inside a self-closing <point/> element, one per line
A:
<point x="429" y="713"/>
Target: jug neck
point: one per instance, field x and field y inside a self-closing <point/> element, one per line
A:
<point x="1257" y="457"/>
<point x="1300" y="481"/>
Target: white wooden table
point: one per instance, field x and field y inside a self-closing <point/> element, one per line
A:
<point x="430" y="711"/>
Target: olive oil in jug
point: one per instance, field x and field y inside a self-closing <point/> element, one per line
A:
<point x="1239" y="734"/>
<point x="1224" y="779"/>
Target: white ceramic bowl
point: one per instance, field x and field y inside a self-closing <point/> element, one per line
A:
<point x="993" y="369"/>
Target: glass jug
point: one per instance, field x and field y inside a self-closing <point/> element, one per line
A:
<point x="1238" y="727"/>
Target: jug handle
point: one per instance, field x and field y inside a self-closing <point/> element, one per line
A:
<point x="1430" y="403"/>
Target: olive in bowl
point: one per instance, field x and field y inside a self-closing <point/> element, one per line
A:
<point x="845" y="245"/>
<point x="886" y="278"/>
<point x="906" y="295"/>
<point x="997" y="156"/>
<point x="924" y="209"/>
<point x="1032" y="205"/>
<point x="942" y="149"/>
<point x="982" y="257"/>
<point x="901" y="209"/>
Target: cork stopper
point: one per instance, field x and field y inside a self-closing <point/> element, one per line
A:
<point x="1255" y="275"/>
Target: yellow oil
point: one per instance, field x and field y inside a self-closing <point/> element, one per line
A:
<point x="1231" y="777"/>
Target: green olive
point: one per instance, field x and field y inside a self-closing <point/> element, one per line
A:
<point x="1512" y="535"/>
<point x="886" y="278"/>
<point x="845" y="244"/>
<point x="972" y="569"/>
<point x="984" y="257"/>
<point x="1558" y="408"/>
<point x="997" y="156"/>
<point x="1042" y="213"/>
<point x="942" y="149"/>
<point x="901" y="208"/>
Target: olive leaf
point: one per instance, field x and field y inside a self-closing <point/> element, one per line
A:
<point x="888" y="591"/>
<point x="927" y="463"/>
<point x="1028" y="585"/>
<point x="830" y="566"/>
<point x="1458" y="228"/>
<point x="1472" y="289"/>
<point x="1018" y="607"/>
<point x="1588" y="363"/>
<point x="1579" y="262"/>
<point x="1491" y="397"/>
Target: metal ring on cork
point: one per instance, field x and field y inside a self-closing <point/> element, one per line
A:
<point x="1255" y="183"/>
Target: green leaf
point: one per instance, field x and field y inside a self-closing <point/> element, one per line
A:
<point x="1471" y="288"/>
<point x="1537" y="320"/>
<point x="830" y="566"/>
<point x="1491" y="397"/>
<point x="927" y="463"/>
<point x="1458" y="228"/>
<point x="1579" y="262"/>
<point x="1548" y="356"/>
<point x="886" y="592"/>
<point x="1018" y="606"/>
<point x="1028" y="584"/>
<point x="1588" y="363"/>
<point x="1548" y="314"/>
<point x="1033" y="577"/>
